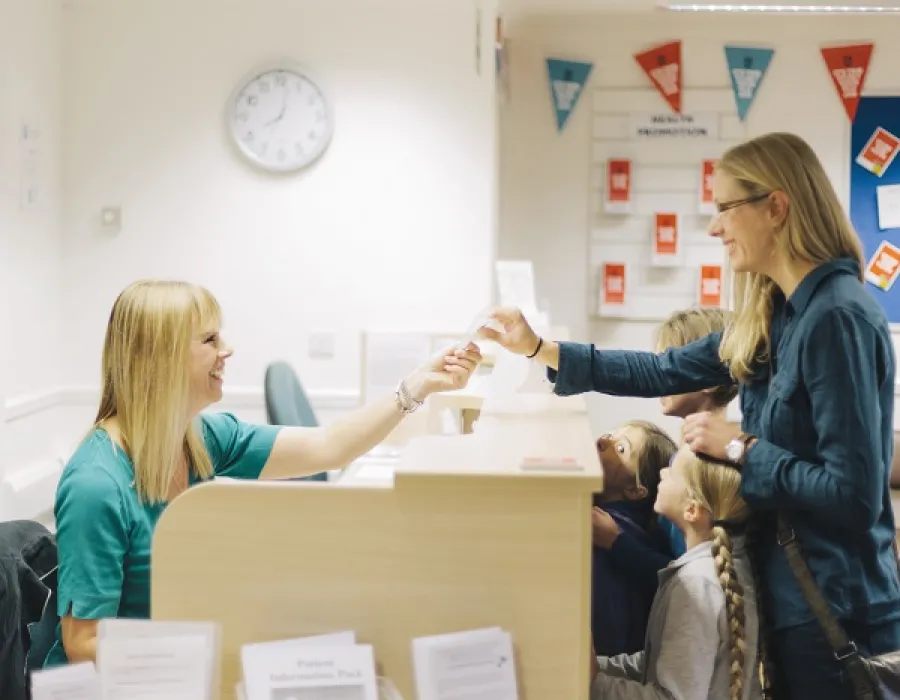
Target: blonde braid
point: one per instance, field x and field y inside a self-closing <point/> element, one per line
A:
<point x="734" y="605"/>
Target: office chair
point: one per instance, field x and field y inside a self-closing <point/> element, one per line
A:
<point x="287" y="402"/>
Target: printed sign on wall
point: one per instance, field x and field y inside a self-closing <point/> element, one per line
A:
<point x="666" y="240"/>
<point x="662" y="64"/>
<point x="618" y="186"/>
<point x="847" y="66"/>
<point x="884" y="266"/>
<point x="567" y="81"/>
<point x="704" y="125"/>
<point x="747" y="67"/>
<point x="879" y="152"/>
<point x="707" y="200"/>
<point x="710" y="291"/>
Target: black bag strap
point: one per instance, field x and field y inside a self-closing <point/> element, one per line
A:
<point x="845" y="651"/>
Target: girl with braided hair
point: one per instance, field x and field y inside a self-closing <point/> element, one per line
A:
<point x="702" y="636"/>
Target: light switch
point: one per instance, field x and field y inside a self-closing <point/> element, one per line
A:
<point x="321" y="346"/>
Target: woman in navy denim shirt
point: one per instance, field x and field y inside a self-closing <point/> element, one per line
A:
<point x="812" y="352"/>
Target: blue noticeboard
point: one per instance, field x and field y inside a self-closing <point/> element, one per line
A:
<point x="872" y="113"/>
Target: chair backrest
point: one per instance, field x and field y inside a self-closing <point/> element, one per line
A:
<point x="286" y="401"/>
<point x="288" y="404"/>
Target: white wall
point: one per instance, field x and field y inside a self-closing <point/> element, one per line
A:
<point x="380" y="233"/>
<point x="33" y="346"/>
<point x="545" y="185"/>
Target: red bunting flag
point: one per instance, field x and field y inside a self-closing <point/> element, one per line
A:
<point x="662" y="65"/>
<point x="847" y="66"/>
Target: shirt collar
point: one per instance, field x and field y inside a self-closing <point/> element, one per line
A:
<point x="800" y="299"/>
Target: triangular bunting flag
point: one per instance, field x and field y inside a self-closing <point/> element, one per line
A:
<point x="747" y="68"/>
<point x="567" y="80"/>
<point x="847" y="66"/>
<point x="662" y="65"/>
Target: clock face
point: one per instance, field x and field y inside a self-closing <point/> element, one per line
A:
<point x="280" y="120"/>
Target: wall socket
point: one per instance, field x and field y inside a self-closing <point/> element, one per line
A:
<point x="321" y="346"/>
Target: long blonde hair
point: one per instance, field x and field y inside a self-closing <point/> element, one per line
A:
<point x="816" y="231"/>
<point x="716" y="488"/>
<point x="690" y="325"/>
<point x="146" y="380"/>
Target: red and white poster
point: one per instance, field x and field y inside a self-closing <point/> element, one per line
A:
<point x="848" y="66"/>
<point x="612" y="292"/>
<point x="666" y="240"/>
<point x="618" y="186"/>
<point x="879" y="151"/>
<point x="710" y="291"/>
<point x="884" y="266"/>
<point x="662" y="64"/>
<point x="707" y="200"/>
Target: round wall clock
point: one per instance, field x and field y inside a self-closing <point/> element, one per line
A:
<point x="280" y="119"/>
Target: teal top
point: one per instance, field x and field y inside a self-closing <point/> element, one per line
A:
<point x="104" y="532"/>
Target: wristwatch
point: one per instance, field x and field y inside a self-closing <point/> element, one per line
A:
<point x="737" y="448"/>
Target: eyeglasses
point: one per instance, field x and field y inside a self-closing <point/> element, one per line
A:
<point x="620" y="448"/>
<point x="733" y="204"/>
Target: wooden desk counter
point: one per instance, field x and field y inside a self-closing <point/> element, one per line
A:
<point x="432" y="554"/>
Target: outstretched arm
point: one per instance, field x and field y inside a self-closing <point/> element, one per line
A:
<point x="302" y="451"/>
<point x="577" y="367"/>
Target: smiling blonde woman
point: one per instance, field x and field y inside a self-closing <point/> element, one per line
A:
<point x="163" y="363"/>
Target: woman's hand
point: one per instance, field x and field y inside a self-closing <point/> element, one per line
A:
<point x="517" y="336"/>
<point x="605" y="530"/>
<point x="446" y="371"/>
<point x="709" y="433"/>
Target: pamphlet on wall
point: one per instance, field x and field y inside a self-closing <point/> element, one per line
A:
<point x="707" y="205"/>
<point x="307" y="668"/>
<point x="73" y="682"/>
<point x="613" y="290"/>
<point x="617" y="195"/>
<point x="667" y="248"/>
<point x="473" y="665"/>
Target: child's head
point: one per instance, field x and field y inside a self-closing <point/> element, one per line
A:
<point x="682" y="328"/>
<point x="632" y="457"/>
<point x="704" y="496"/>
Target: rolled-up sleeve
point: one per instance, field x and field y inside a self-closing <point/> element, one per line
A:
<point x="843" y="364"/>
<point x="693" y="367"/>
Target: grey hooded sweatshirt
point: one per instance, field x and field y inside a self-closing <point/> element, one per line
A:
<point x="686" y="654"/>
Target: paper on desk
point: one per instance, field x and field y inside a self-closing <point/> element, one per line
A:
<point x="888" y="200"/>
<point x="154" y="668"/>
<point x="73" y="682"/>
<point x="476" y="665"/>
<point x="113" y="629"/>
<point x="309" y="672"/>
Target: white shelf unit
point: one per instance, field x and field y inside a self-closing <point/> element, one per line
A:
<point x="666" y="177"/>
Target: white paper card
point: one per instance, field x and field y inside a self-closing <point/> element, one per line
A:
<point x="154" y="668"/>
<point x="111" y="630"/>
<point x="515" y="284"/>
<point x="888" y="199"/>
<point x="477" y="665"/>
<point x="74" y="682"/>
<point x="309" y="672"/>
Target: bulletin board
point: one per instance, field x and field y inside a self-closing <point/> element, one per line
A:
<point x="874" y="112"/>
<point x="666" y="172"/>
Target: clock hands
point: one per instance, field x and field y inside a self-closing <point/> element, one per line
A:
<point x="281" y="114"/>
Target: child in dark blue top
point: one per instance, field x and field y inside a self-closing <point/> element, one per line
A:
<point x="632" y="457"/>
<point x="632" y="553"/>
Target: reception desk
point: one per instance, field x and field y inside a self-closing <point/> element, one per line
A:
<point x="470" y="532"/>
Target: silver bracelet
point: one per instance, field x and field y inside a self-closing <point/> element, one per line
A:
<point x="406" y="402"/>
